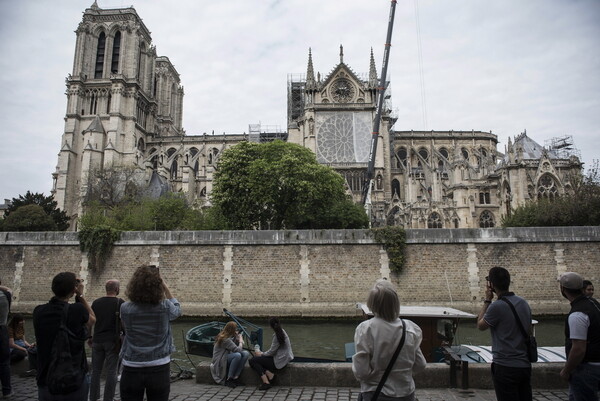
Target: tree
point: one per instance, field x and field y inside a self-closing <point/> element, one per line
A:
<point x="30" y="217"/>
<point x="114" y="186"/>
<point x="579" y="207"/>
<point x="278" y="185"/>
<point x="48" y="204"/>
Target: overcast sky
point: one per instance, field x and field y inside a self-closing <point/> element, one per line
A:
<point x="502" y="66"/>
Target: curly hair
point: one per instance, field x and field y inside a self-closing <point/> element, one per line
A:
<point x="146" y="285"/>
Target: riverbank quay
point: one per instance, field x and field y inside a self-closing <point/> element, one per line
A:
<point x="309" y="273"/>
<point x="473" y="376"/>
<point x="24" y="389"/>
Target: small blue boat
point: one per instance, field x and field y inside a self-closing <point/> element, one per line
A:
<point x="200" y="339"/>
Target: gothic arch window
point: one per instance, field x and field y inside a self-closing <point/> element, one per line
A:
<point x="203" y="192"/>
<point x="465" y="153"/>
<point x="444" y="153"/>
<point x="379" y="181"/>
<point x="174" y="168"/>
<point x="173" y="100"/>
<point x="212" y="156"/>
<point x="483" y="152"/>
<point x="140" y="65"/>
<point x="193" y="151"/>
<point x="196" y="168"/>
<point x="154" y="162"/>
<point x="395" y="187"/>
<point x="116" y="50"/>
<point x="99" y="69"/>
<point x="434" y="221"/>
<point x="170" y="152"/>
<point x="547" y="187"/>
<point x="141" y="145"/>
<point x="486" y="219"/>
<point x="402" y="155"/>
<point x="424" y="154"/>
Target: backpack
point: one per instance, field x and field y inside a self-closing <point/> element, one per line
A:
<point x="65" y="375"/>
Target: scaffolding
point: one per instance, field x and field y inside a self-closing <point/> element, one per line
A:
<point x="259" y="133"/>
<point x="563" y="146"/>
<point x="296" y="87"/>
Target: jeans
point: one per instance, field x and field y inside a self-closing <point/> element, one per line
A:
<point x="512" y="384"/>
<point x="584" y="383"/>
<point x="154" y="380"/>
<point x="79" y="395"/>
<point x="4" y="361"/>
<point x="102" y="352"/>
<point x="235" y="363"/>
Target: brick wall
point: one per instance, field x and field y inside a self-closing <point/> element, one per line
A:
<point x="310" y="273"/>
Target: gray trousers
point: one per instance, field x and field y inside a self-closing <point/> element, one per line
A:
<point x="104" y="353"/>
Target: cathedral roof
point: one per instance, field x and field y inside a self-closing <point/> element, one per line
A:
<point x="95" y="126"/>
<point x="157" y="187"/>
<point x="531" y="149"/>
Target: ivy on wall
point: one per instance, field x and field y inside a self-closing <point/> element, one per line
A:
<point x="393" y="240"/>
<point x="98" y="242"/>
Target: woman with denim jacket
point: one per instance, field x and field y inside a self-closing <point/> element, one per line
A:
<point x="148" y="343"/>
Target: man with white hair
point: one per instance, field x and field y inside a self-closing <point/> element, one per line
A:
<point x="582" y="342"/>
<point x="106" y="341"/>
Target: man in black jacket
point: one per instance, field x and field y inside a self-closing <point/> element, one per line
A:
<point x="46" y="322"/>
<point x="582" y="340"/>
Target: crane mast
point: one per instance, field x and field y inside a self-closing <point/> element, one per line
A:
<point x="366" y="190"/>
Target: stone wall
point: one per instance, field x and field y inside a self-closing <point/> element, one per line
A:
<point x="310" y="273"/>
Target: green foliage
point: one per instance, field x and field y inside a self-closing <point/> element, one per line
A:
<point x="30" y="217"/>
<point x="278" y="185"/>
<point x="580" y="207"/>
<point x="48" y="204"/>
<point x="98" y="242"/>
<point x="393" y="240"/>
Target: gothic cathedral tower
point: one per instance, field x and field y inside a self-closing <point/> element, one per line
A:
<point x="120" y="95"/>
<point x="333" y="117"/>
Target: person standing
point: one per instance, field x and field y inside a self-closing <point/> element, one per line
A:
<point x="582" y="340"/>
<point x="588" y="288"/>
<point x="46" y="322"/>
<point x="376" y="341"/>
<point x="5" y="300"/>
<point x="105" y="341"/>
<point x="148" y="343"/>
<point x="511" y="369"/>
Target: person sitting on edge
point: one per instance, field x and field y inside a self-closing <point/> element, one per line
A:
<point x="277" y="357"/>
<point x="19" y="347"/>
<point x="229" y="356"/>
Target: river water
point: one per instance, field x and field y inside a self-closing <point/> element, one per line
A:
<point x="325" y="338"/>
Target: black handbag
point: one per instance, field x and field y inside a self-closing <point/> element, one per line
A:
<point x="530" y="341"/>
<point x="372" y="396"/>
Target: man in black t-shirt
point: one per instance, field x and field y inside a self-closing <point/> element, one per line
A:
<point x="46" y="321"/>
<point x="105" y="341"/>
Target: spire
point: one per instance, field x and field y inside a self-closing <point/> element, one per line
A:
<point x="310" y="72"/>
<point x="95" y="6"/>
<point x="341" y="54"/>
<point x="372" y="71"/>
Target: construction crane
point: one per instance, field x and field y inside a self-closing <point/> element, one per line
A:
<point x="366" y="190"/>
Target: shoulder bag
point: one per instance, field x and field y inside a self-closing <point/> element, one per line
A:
<point x="530" y="341"/>
<point x="372" y="396"/>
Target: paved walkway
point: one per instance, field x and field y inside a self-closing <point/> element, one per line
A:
<point x="24" y="389"/>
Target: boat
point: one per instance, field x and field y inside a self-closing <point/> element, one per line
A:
<point x="199" y="340"/>
<point x="439" y="325"/>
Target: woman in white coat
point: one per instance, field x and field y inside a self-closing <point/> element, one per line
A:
<point x="376" y="340"/>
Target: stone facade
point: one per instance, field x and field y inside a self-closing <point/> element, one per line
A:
<point x="125" y="106"/>
<point x="311" y="273"/>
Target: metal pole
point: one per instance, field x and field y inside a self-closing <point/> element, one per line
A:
<point x="381" y="88"/>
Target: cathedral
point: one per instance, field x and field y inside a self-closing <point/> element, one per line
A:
<point x="124" y="109"/>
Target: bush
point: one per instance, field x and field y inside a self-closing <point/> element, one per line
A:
<point x="30" y="217"/>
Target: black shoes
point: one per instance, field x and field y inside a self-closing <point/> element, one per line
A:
<point x="265" y="386"/>
<point x="230" y="383"/>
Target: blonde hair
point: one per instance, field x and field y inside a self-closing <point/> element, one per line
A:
<point x="227" y="332"/>
<point x="383" y="301"/>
